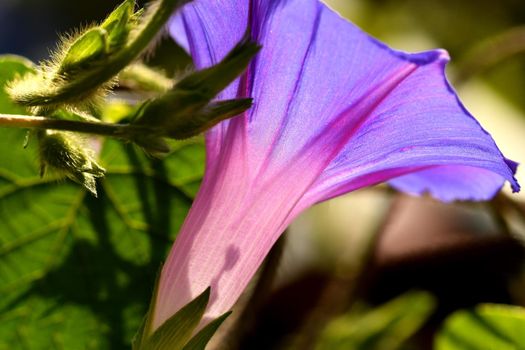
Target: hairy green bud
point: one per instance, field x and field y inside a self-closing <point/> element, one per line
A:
<point x="85" y="67"/>
<point x="65" y="153"/>
<point x="89" y="48"/>
<point x="119" y="24"/>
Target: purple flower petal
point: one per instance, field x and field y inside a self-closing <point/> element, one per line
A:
<point x="449" y="182"/>
<point x="335" y="110"/>
<point x="420" y="125"/>
<point x="317" y="73"/>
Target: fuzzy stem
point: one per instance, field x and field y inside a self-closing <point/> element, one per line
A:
<point x="161" y="13"/>
<point x="95" y="128"/>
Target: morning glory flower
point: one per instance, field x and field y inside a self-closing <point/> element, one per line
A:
<point x="335" y="110"/>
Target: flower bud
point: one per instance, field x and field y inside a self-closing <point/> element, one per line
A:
<point x="89" y="48"/>
<point x="119" y="24"/>
<point x="66" y="153"/>
<point x="84" y="67"/>
<point x="187" y="110"/>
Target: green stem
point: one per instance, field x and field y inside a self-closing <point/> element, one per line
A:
<point x="160" y="14"/>
<point x="95" y="128"/>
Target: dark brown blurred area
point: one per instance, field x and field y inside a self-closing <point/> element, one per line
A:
<point x="456" y="252"/>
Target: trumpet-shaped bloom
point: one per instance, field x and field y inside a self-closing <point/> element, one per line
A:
<point x="335" y="110"/>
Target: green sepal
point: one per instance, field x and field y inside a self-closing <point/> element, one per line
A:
<point x="147" y="323"/>
<point x="88" y="48"/>
<point x="201" y="339"/>
<point x="100" y="41"/>
<point x="186" y="111"/>
<point x="187" y="125"/>
<point x="140" y="12"/>
<point x="64" y="152"/>
<point x="160" y="112"/>
<point x="215" y="112"/>
<point x="178" y="329"/>
<point x="210" y="81"/>
<point x="119" y="24"/>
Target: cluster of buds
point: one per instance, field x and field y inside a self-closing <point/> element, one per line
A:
<point x="188" y="108"/>
<point x="66" y="153"/>
<point x="83" y="67"/>
<point x="73" y="83"/>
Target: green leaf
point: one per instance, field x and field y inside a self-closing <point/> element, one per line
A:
<point x="77" y="272"/>
<point x="385" y="327"/>
<point x="201" y="339"/>
<point x="177" y="330"/>
<point x="12" y="67"/>
<point x="70" y="261"/>
<point x="487" y="326"/>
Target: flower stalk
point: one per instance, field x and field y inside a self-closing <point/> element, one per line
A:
<point x="64" y="88"/>
<point x="86" y="127"/>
